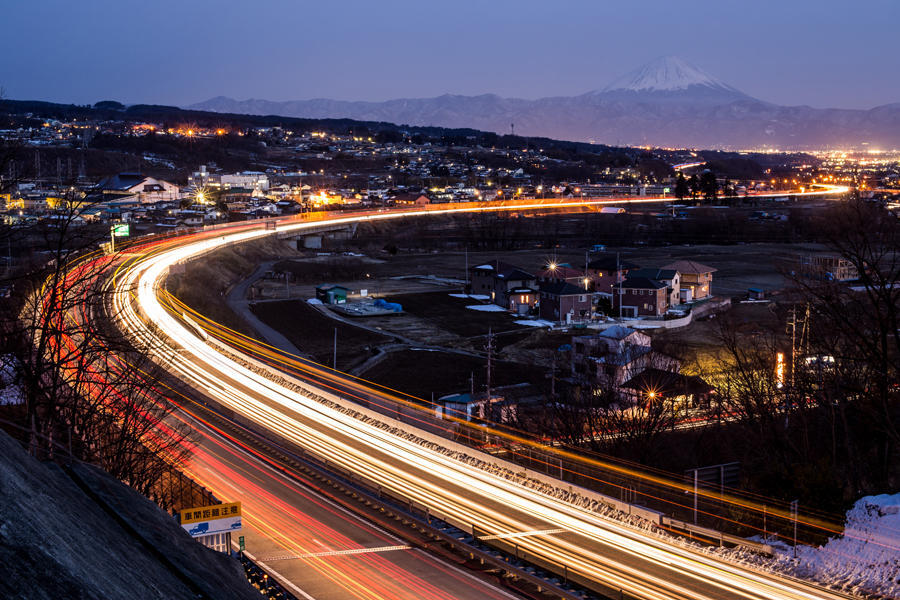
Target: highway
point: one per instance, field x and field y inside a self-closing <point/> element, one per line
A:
<point x="608" y="553"/>
<point x="326" y="552"/>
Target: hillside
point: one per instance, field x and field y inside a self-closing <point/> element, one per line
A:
<point x="57" y="541"/>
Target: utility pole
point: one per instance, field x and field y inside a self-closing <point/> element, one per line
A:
<point x="467" y="290"/>
<point x="490" y="356"/>
<point x="795" y="508"/>
<point x="696" y="482"/>
<point x="619" y="283"/>
<point x="553" y="379"/>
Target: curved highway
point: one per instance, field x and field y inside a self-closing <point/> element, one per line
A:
<point x="610" y="555"/>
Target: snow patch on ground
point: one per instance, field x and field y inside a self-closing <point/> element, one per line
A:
<point x="865" y="559"/>
<point x="534" y="323"/>
<point x="486" y="308"/>
<point x="470" y="296"/>
<point x="314" y="301"/>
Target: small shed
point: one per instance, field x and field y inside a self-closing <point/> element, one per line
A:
<point x="331" y="294"/>
<point x="756" y="293"/>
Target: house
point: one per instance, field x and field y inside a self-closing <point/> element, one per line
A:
<point x="696" y="279"/>
<point x="607" y="270"/>
<point x="522" y="300"/>
<point x="555" y="273"/>
<point x="412" y="200"/>
<point x="506" y="403"/>
<point x="329" y="293"/>
<point x="657" y="385"/>
<point x="497" y="280"/>
<point x="670" y="277"/>
<point x="561" y="301"/>
<point x="147" y="189"/>
<point x="616" y="355"/>
<point x="612" y="357"/>
<point x="640" y="297"/>
<point x="825" y="267"/>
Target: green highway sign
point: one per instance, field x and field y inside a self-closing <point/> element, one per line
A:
<point x="121" y="230"/>
<point x="241" y="543"/>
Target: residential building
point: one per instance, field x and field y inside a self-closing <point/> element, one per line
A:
<point x="696" y="279"/>
<point x="561" y="301"/>
<point x="653" y="385"/>
<point x="505" y="403"/>
<point x="640" y="297"/>
<point x="827" y="267"/>
<point x="670" y="277"/>
<point x="607" y="270"/>
<point x="522" y="300"/>
<point x="614" y="356"/>
<point x="148" y="190"/>
<point x="412" y="200"/>
<point x="497" y="279"/>
<point x="555" y="273"/>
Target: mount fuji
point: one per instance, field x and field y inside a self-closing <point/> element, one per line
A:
<point x="671" y="78"/>
<point x="667" y="102"/>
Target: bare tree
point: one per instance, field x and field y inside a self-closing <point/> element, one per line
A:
<point x="84" y="385"/>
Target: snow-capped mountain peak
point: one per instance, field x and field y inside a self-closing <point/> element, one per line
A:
<point x="666" y="74"/>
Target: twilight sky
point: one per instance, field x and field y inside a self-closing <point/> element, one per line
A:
<point x="825" y="53"/>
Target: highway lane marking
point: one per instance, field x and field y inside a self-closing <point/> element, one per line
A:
<point x="518" y="534"/>
<point x="279" y="577"/>
<point x="336" y="553"/>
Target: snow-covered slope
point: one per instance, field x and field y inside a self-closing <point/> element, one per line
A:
<point x="865" y="560"/>
<point x="667" y="74"/>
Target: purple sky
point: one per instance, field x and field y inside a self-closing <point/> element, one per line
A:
<point x="825" y="53"/>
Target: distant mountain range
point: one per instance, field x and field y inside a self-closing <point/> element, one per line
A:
<point x="667" y="102"/>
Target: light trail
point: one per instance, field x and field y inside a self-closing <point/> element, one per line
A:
<point x="592" y="548"/>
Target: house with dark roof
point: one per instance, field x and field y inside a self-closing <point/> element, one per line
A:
<point x="615" y="355"/>
<point x="607" y="270"/>
<point x="554" y="273"/>
<point x="670" y="277"/>
<point x="696" y="279"/>
<point x="640" y="297"/>
<point x="497" y="280"/>
<point x="562" y="301"/>
<point x="657" y="385"/>
<point x="147" y="189"/>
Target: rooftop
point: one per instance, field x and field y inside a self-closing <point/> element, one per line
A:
<point x="690" y="266"/>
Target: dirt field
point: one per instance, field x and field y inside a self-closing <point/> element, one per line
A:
<point x="313" y="332"/>
<point x="421" y="373"/>
<point x="451" y="314"/>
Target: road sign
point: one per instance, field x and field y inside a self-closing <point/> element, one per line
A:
<point x="121" y="230"/>
<point x="241" y="543"/>
<point x="209" y="520"/>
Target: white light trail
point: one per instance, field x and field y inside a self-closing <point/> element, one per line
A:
<point x="603" y="550"/>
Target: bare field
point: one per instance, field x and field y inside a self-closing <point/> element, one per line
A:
<point x="446" y="373"/>
<point x="740" y="266"/>
<point x="313" y="332"/>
